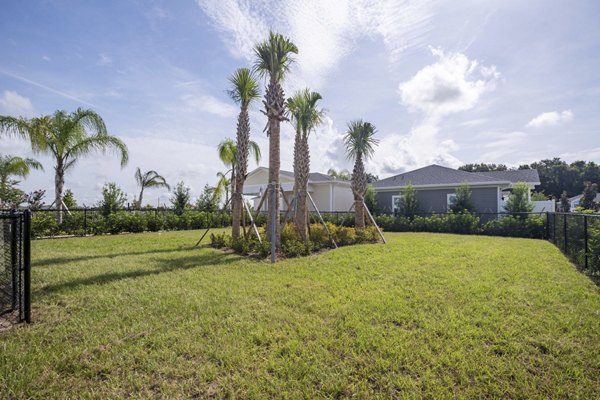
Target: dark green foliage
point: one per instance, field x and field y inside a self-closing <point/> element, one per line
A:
<point x="371" y="199"/>
<point x="181" y="198"/>
<point x="207" y="200"/>
<point x="557" y="175"/>
<point x="565" y="205"/>
<point x="69" y="199"/>
<point x="482" y="167"/>
<point x="533" y="226"/>
<point x="113" y="199"/>
<point x="219" y="240"/>
<point x="409" y="205"/>
<point x="589" y="195"/>
<point x="518" y="201"/>
<point x="463" y="201"/>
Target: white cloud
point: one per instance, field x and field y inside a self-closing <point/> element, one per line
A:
<point x="451" y="85"/>
<point x="211" y="105"/>
<point x="14" y="104"/>
<point x="550" y="119"/>
<point x="503" y="144"/>
<point x="46" y="58"/>
<point x="104" y="59"/>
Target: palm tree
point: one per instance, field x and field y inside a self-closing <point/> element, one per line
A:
<point x="148" y="179"/>
<point x="342" y="174"/>
<point x="273" y="59"/>
<point x="66" y="137"/>
<point x="227" y="150"/>
<point x="244" y="90"/>
<point x="305" y="117"/>
<point x="14" y="166"/>
<point x="360" y="144"/>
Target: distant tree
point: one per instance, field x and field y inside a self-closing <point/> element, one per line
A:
<point x="518" y="201"/>
<point x="372" y="178"/>
<point x="463" y="201"/>
<point x="69" y="199"/>
<point x="146" y="180"/>
<point x="35" y="199"/>
<point x="565" y="205"/>
<point x="113" y="199"/>
<point x="206" y="201"/>
<point x="371" y="200"/>
<point x="343" y="174"/>
<point x="589" y="196"/>
<point x="482" y="167"/>
<point x="409" y="205"/>
<point x="14" y="167"/>
<point x="538" y="196"/>
<point x="181" y="198"/>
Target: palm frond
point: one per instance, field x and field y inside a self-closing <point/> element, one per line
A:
<point x="103" y="143"/>
<point x="304" y="112"/>
<point x="274" y="56"/>
<point x="255" y="151"/>
<point x="244" y="87"/>
<point x="227" y="150"/>
<point x="359" y="140"/>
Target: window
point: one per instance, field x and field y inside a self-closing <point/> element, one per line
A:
<point x="396" y="203"/>
<point x="450" y="199"/>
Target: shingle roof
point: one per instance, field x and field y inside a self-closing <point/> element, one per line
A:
<point x="438" y="175"/>
<point x="514" y="176"/>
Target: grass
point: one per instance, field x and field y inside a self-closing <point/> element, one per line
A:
<point x="428" y="315"/>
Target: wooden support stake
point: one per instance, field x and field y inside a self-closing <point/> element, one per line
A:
<point x="321" y="218"/>
<point x="252" y="222"/>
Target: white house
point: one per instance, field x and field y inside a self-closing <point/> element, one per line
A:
<point x="330" y="194"/>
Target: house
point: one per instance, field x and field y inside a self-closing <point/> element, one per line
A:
<point x="329" y="194"/>
<point x="575" y="201"/>
<point x="435" y="187"/>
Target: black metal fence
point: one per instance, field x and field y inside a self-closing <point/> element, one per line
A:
<point x="15" y="268"/>
<point x="578" y="236"/>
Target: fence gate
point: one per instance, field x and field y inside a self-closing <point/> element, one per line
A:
<point x="15" y="268"/>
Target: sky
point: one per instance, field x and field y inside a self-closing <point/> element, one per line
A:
<point x="444" y="82"/>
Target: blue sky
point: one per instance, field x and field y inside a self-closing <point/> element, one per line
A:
<point x="447" y="82"/>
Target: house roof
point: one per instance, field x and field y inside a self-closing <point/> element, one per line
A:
<point x="579" y="196"/>
<point x="313" y="177"/>
<point x="437" y="175"/>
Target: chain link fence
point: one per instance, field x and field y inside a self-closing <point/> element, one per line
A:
<point x="578" y="237"/>
<point x="15" y="268"/>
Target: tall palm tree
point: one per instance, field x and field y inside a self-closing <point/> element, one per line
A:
<point x="148" y="179"/>
<point x="67" y="137"/>
<point x="342" y="174"/>
<point x="244" y="90"/>
<point x="273" y="59"/>
<point x="305" y="117"/>
<point x="360" y="144"/>
<point x="14" y="166"/>
<point x="227" y="150"/>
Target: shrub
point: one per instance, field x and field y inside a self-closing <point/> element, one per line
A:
<point x="294" y="248"/>
<point x="367" y="235"/>
<point x="241" y="245"/>
<point x="344" y="236"/>
<point x="219" y="240"/>
<point x="533" y="226"/>
<point x="319" y="237"/>
<point x="44" y="224"/>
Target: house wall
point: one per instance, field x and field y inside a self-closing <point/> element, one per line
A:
<point x="435" y="200"/>
<point x="321" y="197"/>
<point x="342" y="198"/>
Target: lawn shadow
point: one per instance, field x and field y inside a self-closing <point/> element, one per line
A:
<point x="179" y="264"/>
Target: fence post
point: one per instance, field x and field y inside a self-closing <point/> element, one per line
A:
<point x="565" y="232"/>
<point x="554" y="228"/>
<point x="27" y="265"/>
<point x="547" y="225"/>
<point x="585" y="239"/>
<point x="13" y="257"/>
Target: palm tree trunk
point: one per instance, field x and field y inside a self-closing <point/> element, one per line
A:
<point x="139" y="204"/>
<point x="59" y="183"/>
<point x="275" y="105"/>
<point x="301" y="172"/>
<point x="359" y="187"/>
<point x="242" y="146"/>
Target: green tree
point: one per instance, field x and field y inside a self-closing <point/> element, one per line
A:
<point x="35" y="199"/>
<point x="359" y="142"/>
<point x="305" y="117"/>
<point x="273" y="59"/>
<point x="67" y="137"/>
<point x="227" y="151"/>
<point x="343" y="174"/>
<point x="14" y="167"/>
<point x="463" y="201"/>
<point x="244" y="90"/>
<point x="409" y="204"/>
<point x="206" y="200"/>
<point x="371" y="200"/>
<point x="69" y="199"/>
<point x="181" y="198"/>
<point x="565" y="205"/>
<point x="538" y="196"/>
<point x="589" y="196"/>
<point x="518" y="201"/>
<point x="146" y="180"/>
<point x="113" y="199"/>
<point x="482" y="167"/>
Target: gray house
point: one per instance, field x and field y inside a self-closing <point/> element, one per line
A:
<point x="435" y="187"/>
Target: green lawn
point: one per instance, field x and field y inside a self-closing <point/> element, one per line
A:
<point x="427" y="315"/>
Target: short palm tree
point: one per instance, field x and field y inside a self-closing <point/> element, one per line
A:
<point x="67" y="137"/>
<point x="244" y="90"/>
<point x="273" y="59"/>
<point x="149" y="179"/>
<point x="360" y="144"/>
<point x="227" y="150"/>
<point x="342" y="174"/>
<point x="305" y="117"/>
<point x="17" y="167"/>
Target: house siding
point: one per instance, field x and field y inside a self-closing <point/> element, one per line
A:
<point x="435" y="200"/>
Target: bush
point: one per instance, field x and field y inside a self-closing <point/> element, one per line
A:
<point x="533" y="226"/>
<point x="219" y="240"/>
<point x="367" y="235"/>
<point x="44" y="224"/>
<point x="344" y="236"/>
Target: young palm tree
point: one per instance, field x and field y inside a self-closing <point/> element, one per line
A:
<point x="273" y="59"/>
<point x="342" y="174"/>
<point x="148" y="179"/>
<point x="360" y="144"/>
<point x="66" y="137"/>
<point x="14" y="166"/>
<point x="244" y="90"/>
<point x="305" y="117"/>
<point x="228" y="155"/>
